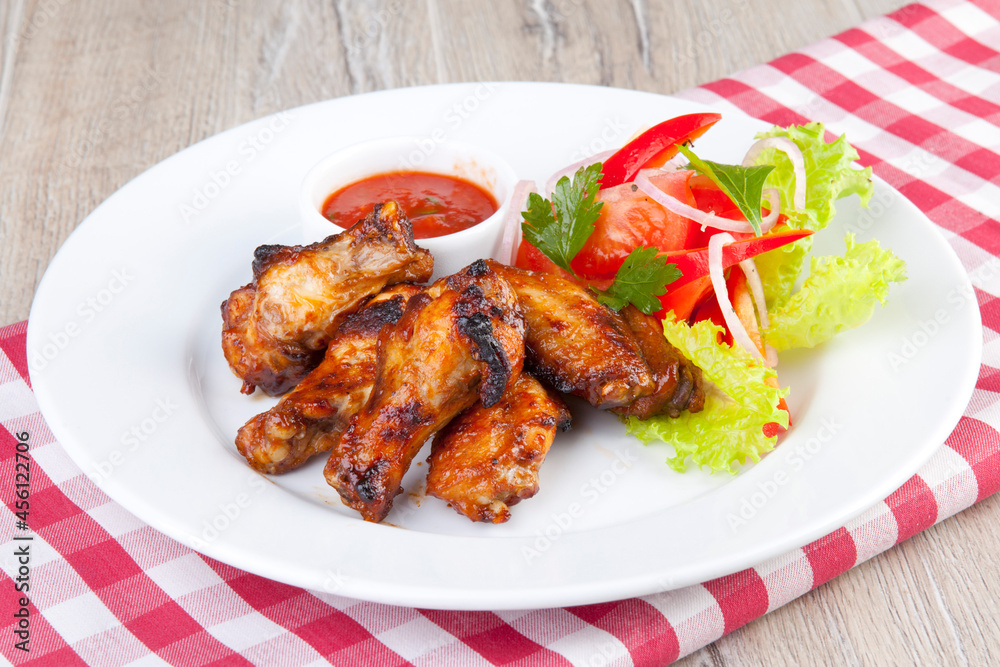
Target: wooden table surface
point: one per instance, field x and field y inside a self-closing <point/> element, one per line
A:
<point x="93" y="93"/>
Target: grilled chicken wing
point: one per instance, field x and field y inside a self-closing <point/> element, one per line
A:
<point x="309" y="419"/>
<point x="487" y="458"/>
<point x="577" y="344"/>
<point x="678" y="381"/>
<point x="276" y="328"/>
<point x="460" y="340"/>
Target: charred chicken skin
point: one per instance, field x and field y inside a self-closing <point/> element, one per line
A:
<point x="309" y="419"/>
<point x="678" y="382"/>
<point x="276" y="329"/>
<point x="459" y="341"/>
<point x="487" y="458"/>
<point x="575" y="343"/>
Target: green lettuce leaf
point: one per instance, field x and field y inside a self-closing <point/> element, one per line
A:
<point x="738" y="403"/>
<point x="780" y="268"/>
<point x="830" y="175"/>
<point x="840" y="293"/>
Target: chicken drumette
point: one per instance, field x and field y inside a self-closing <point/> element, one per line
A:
<point x="309" y="419"/>
<point x="575" y="343"/>
<point x="617" y="361"/>
<point x="677" y="381"/>
<point x="276" y="329"/>
<point x="459" y="341"/>
<point x="487" y="458"/>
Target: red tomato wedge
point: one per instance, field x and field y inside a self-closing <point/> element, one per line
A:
<point x="629" y="219"/>
<point x="655" y="146"/>
<point x="530" y="257"/>
<point x="708" y="197"/>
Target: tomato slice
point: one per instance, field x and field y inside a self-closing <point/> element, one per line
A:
<point x="655" y="146"/>
<point x="711" y="199"/>
<point x="630" y="219"/>
<point x="530" y="257"/>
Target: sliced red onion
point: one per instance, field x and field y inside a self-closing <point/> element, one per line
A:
<point x="774" y="201"/>
<point x="760" y="303"/>
<point x="789" y="148"/>
<point x="772" y="356"/>
<point x="756" y="290"/>
<point x="715" y="272"/>
<point x="510" y="236"/>
<point x="697" y="215"/>
<point x="571" y="169"/>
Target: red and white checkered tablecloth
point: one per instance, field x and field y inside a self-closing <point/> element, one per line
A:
<point x="918" y="92"/>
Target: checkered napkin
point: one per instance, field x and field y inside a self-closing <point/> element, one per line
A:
<point x="918" y="92"/>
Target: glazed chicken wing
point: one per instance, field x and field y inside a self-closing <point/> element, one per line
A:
<point x="459" y="341"/>
<point x="577" y="344"/>
<point x="678" y="383"/>
<point x="276" y="328"/>
<point x="309" y="419"/>
<point x="487" y="458"/>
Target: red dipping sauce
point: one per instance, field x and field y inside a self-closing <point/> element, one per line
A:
<point x="436" y="204"/>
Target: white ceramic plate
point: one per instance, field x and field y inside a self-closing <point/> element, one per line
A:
<point x="123" y="345"/>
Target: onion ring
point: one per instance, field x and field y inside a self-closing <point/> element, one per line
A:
<point x="715" y="270"/>
<point x="789" y="148"/>
<point x="510" y="236"/>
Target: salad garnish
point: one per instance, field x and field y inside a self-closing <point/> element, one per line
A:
<point x="741" y="418"/>
<point x="641" y="280"/>
<point x="839" y="294"/>
<point x="743" y="185"/>
<point x="561" y="227"/>
<point x="726" y="296"/>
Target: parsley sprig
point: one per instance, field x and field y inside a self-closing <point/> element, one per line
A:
<point x="560" y="228"/>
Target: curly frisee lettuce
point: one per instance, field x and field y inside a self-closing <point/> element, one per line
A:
<point x="830" y="175"/>
<point x="839" y="294"/>
<point x="739" y="402"/>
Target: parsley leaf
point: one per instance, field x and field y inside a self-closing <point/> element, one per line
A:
<point x="744" y="185"/>
<point x="561" y="227"/>
<point x="641" y="278"/>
